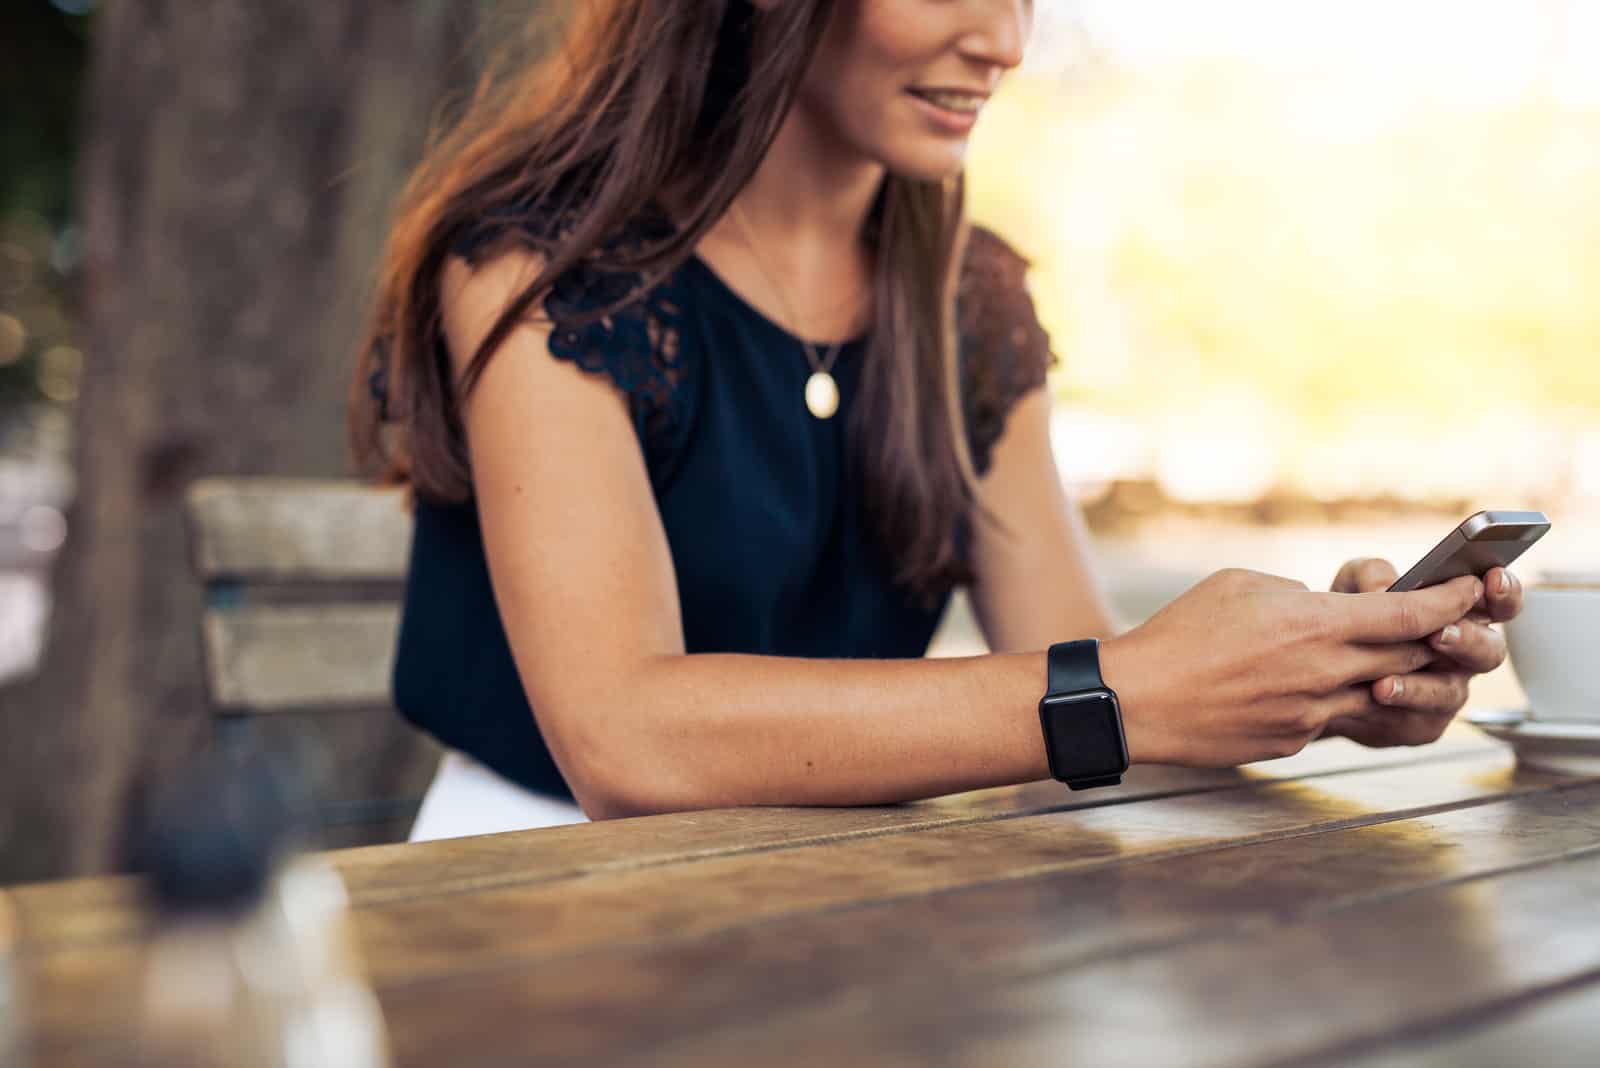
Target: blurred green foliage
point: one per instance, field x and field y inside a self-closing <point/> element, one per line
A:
<point x="43" y="52"/>
<point x="43" y="56"/>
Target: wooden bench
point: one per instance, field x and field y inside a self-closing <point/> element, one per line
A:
<point x="303" y="579"/>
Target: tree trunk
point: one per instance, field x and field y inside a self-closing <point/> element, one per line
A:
<point x="239" y="164"/>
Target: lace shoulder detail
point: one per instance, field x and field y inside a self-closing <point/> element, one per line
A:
<point x="639" y="346"/>
<point x="611" y="322"/>
<point x="1005" y="352"/>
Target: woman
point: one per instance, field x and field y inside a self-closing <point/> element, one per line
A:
<point x="709" y="399"/>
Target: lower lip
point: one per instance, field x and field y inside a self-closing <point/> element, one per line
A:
<point x="953" y="122"/>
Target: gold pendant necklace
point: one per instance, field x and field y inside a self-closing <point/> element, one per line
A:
<point x="822" y="392"/>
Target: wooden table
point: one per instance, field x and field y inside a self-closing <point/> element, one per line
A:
<point x="1346" y="906"/>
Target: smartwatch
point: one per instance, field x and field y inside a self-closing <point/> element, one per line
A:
<point x="1082" y="719"/>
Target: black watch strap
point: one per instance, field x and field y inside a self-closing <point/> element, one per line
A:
<point x="1072" y="670"/>
<point x="1073" y="666"/>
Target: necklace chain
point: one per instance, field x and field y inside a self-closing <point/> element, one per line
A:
<point x="819" y="365"/>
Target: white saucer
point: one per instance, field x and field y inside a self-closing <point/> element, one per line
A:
<point x="1570" y="747"/>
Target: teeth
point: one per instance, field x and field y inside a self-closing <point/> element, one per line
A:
<point x="961" y="102"/>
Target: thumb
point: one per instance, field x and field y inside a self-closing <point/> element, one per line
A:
<point x="1366" y="575"/>
<point x="1407" y="617"/>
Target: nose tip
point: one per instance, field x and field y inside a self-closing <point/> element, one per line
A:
<point x="1012" y="44"/>
<point x="1003" y="39"/>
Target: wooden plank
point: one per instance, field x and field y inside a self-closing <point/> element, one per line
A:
<point x="11" y="1006"/>
<point x="493" y="929"/>
<point x="485" y="862"/>
<point x="1279" y="948"/>
<point x="1561" y="1030"/>
<point x="78" y="914"/>
<point x="1290" y="993"/>
<point x="99" y="908"/>
<point x="595" y="998"/>
<point x="281" y="529"/>
<point x="415" y="945"/>
<point x="273" y="658"/>
<point x="83" y="1004"/>
<point x="438" y="931"/>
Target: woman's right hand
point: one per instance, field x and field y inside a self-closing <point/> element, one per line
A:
<point x="1247" y="666"/>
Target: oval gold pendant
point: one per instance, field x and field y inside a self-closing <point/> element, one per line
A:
<point x="822" y="395"/>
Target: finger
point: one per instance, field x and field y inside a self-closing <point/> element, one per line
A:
<point x="1368" y="663"/>
<point x="1364" y="732"/>
<point x="1437" y="692"/>
<point x="1393" y="726"/>
<point x="1375" y="575"/>
<point x="1366" y="575"/>
<point x="1477" y="648"/>
<point x="1403" y="617"/>
<point x="1503" y="594"/>
<point x="1348" y="702"/>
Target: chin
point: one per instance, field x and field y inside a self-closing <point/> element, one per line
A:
<point x="927" y="163"/>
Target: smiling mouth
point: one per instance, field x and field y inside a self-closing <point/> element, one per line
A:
<point x="959" y="101"/>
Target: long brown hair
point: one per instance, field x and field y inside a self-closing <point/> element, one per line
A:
<point x="643" y="99"/>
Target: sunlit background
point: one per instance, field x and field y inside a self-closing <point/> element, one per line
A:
<point x="1321" y="275"/>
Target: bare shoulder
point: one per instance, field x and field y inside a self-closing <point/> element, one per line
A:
<point x="473" y="297"/>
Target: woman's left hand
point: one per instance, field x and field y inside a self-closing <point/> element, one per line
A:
<point x="1415" y="709"/>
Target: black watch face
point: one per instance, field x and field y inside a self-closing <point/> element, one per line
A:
<point x="1083" y="735"/>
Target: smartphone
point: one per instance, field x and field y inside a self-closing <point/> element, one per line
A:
<point x="1481" y="542"/>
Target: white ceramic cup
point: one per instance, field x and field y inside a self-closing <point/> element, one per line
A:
<point x="1555" y="647"/>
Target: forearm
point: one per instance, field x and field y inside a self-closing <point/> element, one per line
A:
<point x="715" y="730"/>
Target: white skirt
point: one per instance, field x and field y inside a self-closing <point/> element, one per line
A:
<point x="467" y="798"/>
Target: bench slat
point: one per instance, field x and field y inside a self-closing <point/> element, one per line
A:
<point x="277" y="658"/>
<point x="272" y="529"/>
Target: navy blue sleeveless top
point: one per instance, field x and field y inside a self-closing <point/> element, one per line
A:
<point x="761" y="508"/>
